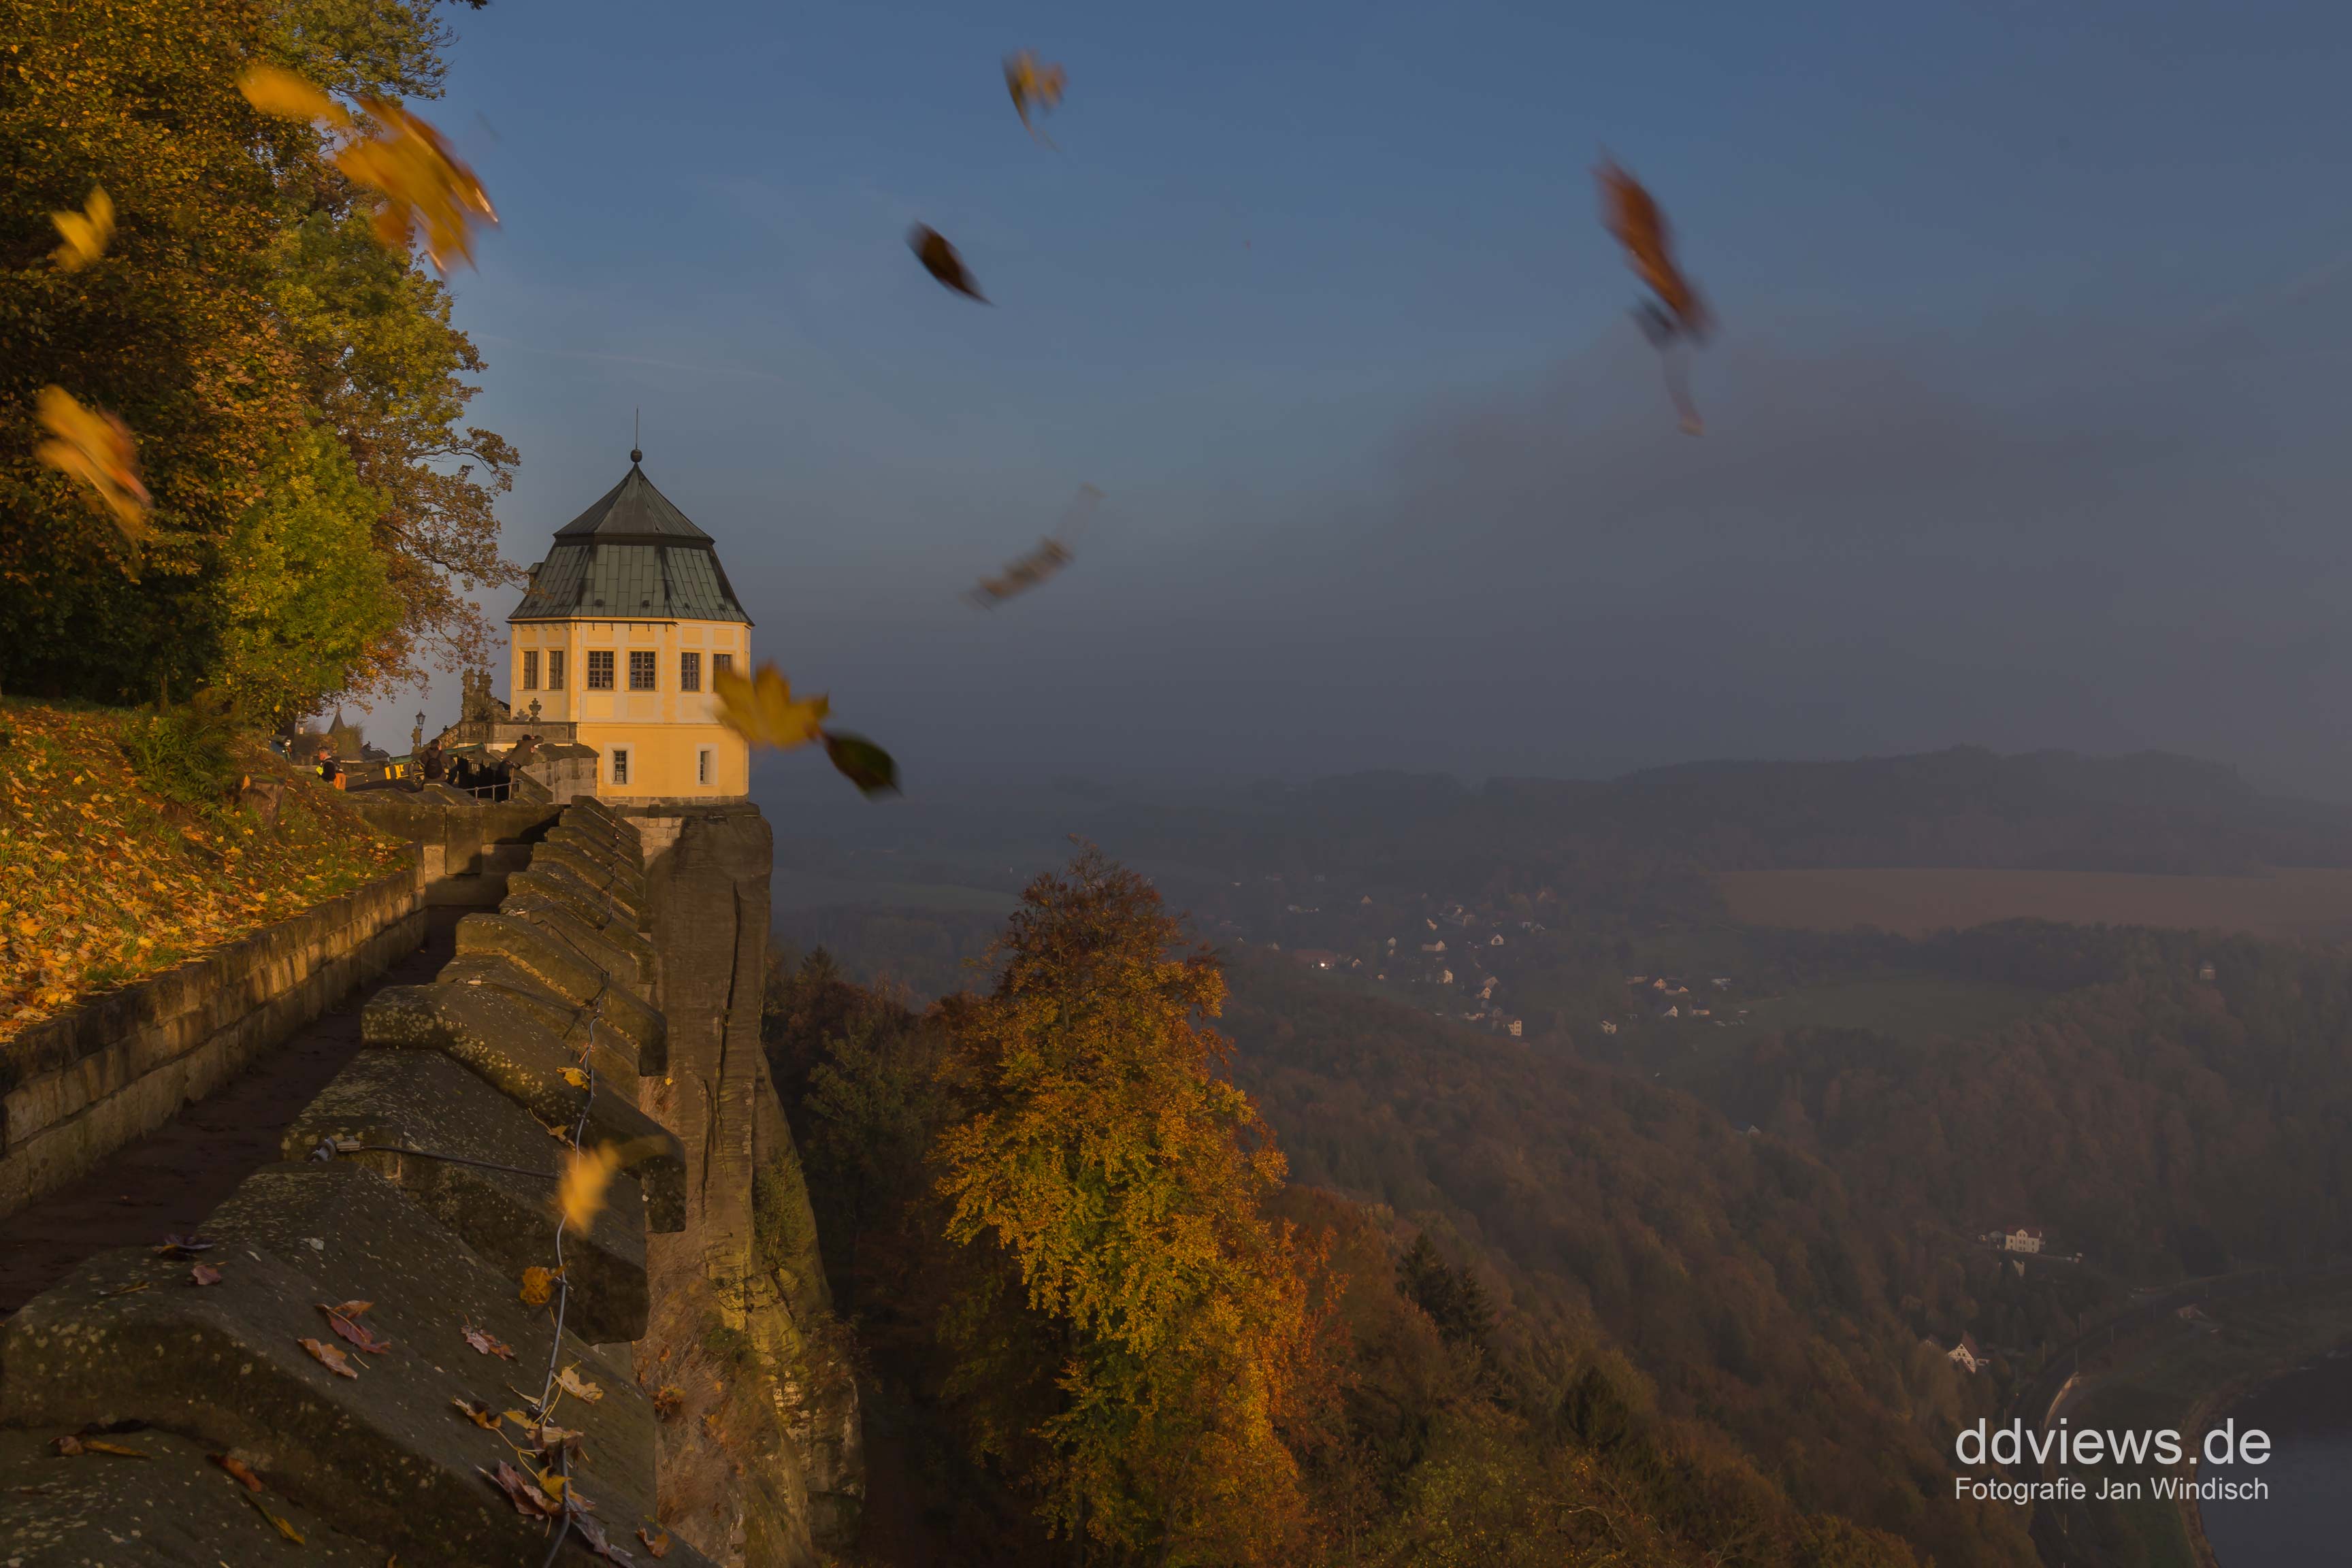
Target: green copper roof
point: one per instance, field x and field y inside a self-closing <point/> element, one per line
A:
<point x="632" y="556"/>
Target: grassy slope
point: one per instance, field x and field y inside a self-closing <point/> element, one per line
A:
<point x="103" y="882"/>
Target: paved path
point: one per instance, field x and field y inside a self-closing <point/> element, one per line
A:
<point x="169" y="1180"/>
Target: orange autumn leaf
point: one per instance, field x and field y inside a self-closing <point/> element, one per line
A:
<point x="238" y="1468"/>
<point x="426" y="193"/>
<point x="1035" y="87"/>
<point x="763" y="710"/>
<point x="539" y="1285"/>
<point x="579" y="1387"/>
<point x="98" y="449"/>
<point x="84" y="234"/>
<point x="330" y="1357"/>
<point x="580" y="1193"/>
<point x="488" y="1345"/>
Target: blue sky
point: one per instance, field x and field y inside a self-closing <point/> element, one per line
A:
<point x="2026" y="419"/>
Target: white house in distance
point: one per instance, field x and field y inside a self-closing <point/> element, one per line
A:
<point x="1968" y="1355"/>
<point x="2024" y="1238"/>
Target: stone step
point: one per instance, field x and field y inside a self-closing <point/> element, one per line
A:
<point x="421" y="1101"/>
<point x="570" y="974"/>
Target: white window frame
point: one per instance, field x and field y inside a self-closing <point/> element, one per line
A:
<point x="620" y="767"/>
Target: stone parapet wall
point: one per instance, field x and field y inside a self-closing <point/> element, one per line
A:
<point x="76" y="1087"/>
<point x="421" y="1182"/>
<point x="466" y="849"/>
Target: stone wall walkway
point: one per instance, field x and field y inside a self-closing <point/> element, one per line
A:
<point x="168" y="1181"/>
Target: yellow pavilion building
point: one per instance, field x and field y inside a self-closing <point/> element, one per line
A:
<point x="619" y="636"/>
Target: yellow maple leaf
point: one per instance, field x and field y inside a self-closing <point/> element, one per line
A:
<point x="579" y="1387"/>
<point x="86" y="232"/>
<point x="581" y="1192"/>
<point x="763" y="710"/>
<point x="94" y="446"/>
<point x="288" y="96"/>
<point x="424" y="184"/>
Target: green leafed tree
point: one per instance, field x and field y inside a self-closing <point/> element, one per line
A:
<point x="240" y="315"/>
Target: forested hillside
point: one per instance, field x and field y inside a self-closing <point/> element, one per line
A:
<point x="1573" y="1315"/>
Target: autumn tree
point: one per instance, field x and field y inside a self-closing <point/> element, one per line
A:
<point x="297" y="391"/>
<point x="1136" y="1340"/>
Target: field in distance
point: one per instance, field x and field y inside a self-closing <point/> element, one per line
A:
<point x="2286" y="904"/>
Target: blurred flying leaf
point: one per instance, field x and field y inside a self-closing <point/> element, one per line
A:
<point x="1679" y="316"/>
<point x="425" y="186"/>
<point x="486" y="1343"/>
<point x="86" y="232"/>
<point x="940" y="260"/>
<point x="581" y="1192"/>
<point x="1056" y="550"/>
<point x="873" y="770"/>
<point x="330" y="1357"/>
<point x="763" y="710"/>
<point x="94" y="446"/>
<point x="283" y="94"/>
<point x="579" y="1387"/>
<point x="1022" y="574"/>
<point x="1034" y="85"/>
<point x="537" y="1285"/>
<point x="425" y="190"/>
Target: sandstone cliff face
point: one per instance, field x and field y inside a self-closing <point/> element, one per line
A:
<point x="763" y="1466"/>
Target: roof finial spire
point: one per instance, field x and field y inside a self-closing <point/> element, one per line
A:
<point x="636" y="433"/>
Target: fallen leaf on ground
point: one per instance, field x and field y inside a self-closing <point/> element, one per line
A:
<point x="86" y="233"/>
<point x="668" y="1400"/>
<point x="70" y="1444"/>
<point x="94" y="446"/>
<point x="528" y="1500"/>
<point x="346" y="1329"/>
<point x="592" y="1533"/>
<point x="479" y="1415"/>
<point x="184" y="1247"/>
<point x="656" y="1543"/>
<point x="580" y="1194"/>
<point x="579" y="1387"/>
<point x="940" y="260"/>
<point x="349" y="1309"/>
<point x="239" y="1469"/>
<point x="285" y="1526"/>
<point x="333" y="1359"/>
<point x="202" y="1274"/>
<point x="537" y="1285"/>
<point x="124" y="1290"/>
<point x="575" y="1078"/>
<point x="486" y="1343"/>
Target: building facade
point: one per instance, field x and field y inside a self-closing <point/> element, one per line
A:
<point x="619" y="636"/>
